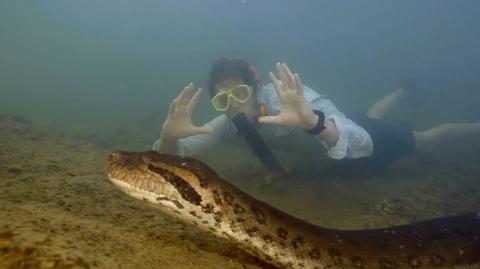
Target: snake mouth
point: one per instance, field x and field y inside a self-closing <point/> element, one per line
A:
<point x="131" y="172"/>
<point x="164" y="181"/>
<point x="155" y="177"/>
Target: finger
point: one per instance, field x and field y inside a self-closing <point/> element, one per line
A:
<point x="287" y="70"/>
<point x="289" y="77"/>
<point x="276" y="83"/>
<point x="270" y="120"/>
<point x="185" y="94"/>
<point x="298" y="84"/>
<point x="173" y="107"/>
<point x="282" y="75"/>
<point x="193" y="101"/>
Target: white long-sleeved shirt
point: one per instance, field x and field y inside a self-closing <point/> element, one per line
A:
<point x="353" y="142"/>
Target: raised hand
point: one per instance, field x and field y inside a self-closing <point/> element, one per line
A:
<point x="179" y="120"/>
<point x="296" y="112"/>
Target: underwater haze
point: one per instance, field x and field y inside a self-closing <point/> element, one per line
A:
<point x="89" y="67"/>
<point x="82" y="78"/>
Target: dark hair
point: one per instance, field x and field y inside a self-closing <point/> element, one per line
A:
<point x="224" y="68"/>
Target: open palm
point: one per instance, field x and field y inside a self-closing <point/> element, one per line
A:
<point x="295" y="112"/>
<point x="179" y="120"/>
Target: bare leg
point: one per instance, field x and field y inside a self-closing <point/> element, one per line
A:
<point x="387" y="103"/>
<point x="448" y="132"/>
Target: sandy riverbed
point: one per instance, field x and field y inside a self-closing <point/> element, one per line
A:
<point x="58" y="209"/>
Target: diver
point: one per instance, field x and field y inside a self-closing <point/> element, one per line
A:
<point x="287" y="108"/>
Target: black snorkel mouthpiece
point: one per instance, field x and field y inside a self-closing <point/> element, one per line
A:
<point x="257" y="144"/>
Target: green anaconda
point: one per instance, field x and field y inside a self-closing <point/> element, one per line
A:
<point x="190" y="190"/>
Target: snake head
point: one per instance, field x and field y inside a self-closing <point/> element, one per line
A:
<point x="178" y="184"/>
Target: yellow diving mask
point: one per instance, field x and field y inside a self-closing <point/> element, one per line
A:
<point x="239" y="93"/>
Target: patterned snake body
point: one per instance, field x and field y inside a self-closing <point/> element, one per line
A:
<point x="191" y="191"/>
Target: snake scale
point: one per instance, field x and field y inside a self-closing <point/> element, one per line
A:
<point x="188" y="189"/>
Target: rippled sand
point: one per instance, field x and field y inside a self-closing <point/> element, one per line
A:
<point x="58" y="209"/>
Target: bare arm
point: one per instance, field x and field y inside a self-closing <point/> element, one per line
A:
<point x="330" y="134"/>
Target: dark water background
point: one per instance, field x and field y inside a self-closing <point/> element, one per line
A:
<point x="106" y="70"/>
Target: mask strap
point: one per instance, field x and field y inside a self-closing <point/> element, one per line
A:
<point x="257" y="144"/>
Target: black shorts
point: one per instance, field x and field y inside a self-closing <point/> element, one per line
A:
<point x="390" y="141"/>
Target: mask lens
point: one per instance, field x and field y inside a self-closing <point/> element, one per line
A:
<point x="241" y="92"/>
<point x="220" y="101"/>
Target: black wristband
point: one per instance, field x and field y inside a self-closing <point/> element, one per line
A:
<point x="320" y="126"/>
